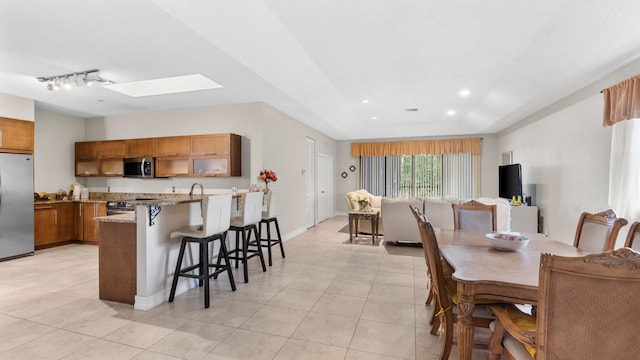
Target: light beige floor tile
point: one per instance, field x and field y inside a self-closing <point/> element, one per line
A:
<point x="246" y="344"/>
<point x="423" y="315"/>
<point x="192" y="340"/>
<point x="151" y="355"/>
<point x="97" y="349"/>
<point x="384" y="339"/>
<point x="429" y="346"/>
<point x="254" y="292"/>
<point x="275" y="320"/>
<point x="296" y="298"/>
<point x="349" y="288"/>
<point x="394" y="278"/>
<point x="309" y="282"/>
<point x="392" y="293"/>
<point x="339" y="305"/>
<point x="326" y="329"/>
<point x="53" y="345"/>
<point x="18" y="332"/>
<point x="145" y="331"/>
<point x="228" y="312"/>
<point x="392" y="313"/>
<point x="362" y="355"/>
<point x="299" y="349"/>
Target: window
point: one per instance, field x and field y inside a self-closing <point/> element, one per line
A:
<point x="425" y="175"/>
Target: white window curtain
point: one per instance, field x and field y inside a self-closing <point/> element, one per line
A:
<point x="394" y="171"/>
<point x="372" y="174"/>
<point x="624" y="169"/>
<point x="462" y="174"/>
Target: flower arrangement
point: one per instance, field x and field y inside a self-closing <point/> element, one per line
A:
<point x="268" y="176"/>
<point x="362" y="199"/>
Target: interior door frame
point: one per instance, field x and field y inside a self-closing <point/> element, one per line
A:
<point x="310" y="173"/>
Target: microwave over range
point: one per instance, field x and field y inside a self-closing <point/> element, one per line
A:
<point x="139" y="167"/>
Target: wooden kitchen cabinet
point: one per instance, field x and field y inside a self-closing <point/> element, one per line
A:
<point x="214" y="144"/>
<point x="53" y="224"/>
<point x="113" y="151"/>
<point x="86" y="229"/>
<point x="16" y="136"/>
<point x="173" y="146"/>
<point x="87" y="155"/>
<point x="216" y="155"/>
<point x="44" y="220"/>
<point x="141" y="147"/>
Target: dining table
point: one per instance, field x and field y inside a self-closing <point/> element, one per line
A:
<point x="483" y="272"/>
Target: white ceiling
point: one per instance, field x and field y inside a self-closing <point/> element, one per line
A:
<point x="316" y="60"/>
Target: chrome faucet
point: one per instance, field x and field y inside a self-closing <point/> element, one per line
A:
<point x="201" y="197"/>
<point x="201" y="190"/>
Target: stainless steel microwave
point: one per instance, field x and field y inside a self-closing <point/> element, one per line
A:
<point x="139" y="167"/>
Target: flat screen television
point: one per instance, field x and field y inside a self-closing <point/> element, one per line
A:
<point x="509" y="181"/>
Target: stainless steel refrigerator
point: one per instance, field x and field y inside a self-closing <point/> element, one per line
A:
<point x="16" y="205"/>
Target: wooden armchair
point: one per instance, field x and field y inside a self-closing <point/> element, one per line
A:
<point x="474" y="215"/>
<point x="444" y="292"/>
<point x="633" y="237"/>
<point x="598" y="232"/>
<point x="587" y="309"/>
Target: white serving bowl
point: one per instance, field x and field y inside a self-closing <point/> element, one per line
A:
<point x="508" y="241"/>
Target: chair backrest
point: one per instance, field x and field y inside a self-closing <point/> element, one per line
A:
<point x="588" y="306"/>
<point x="251" y="205"/>
<point x="633" y="237"/>
<point x="598" y="232"/>
<point x="432" y="257"/>
<point x="269" y="205"/>
<point x="474" y="215"/>
<point x="216" y="214"/>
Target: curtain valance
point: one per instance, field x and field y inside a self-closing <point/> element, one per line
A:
<point x="417" y="147"/>
<point x="622" y="101"/>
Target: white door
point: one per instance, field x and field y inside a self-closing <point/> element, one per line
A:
<point x="325" y="187"/>
<point x="311" y="182"/>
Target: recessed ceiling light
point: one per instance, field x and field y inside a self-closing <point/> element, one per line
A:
<point x="451" y="112"/>
<point x="464" y="93"/>
<point x="374" y="118"/>
<point x="366" y="101"/>
<point x="165" y="86"/>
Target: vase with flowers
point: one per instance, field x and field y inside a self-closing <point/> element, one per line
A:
<point x="363" y="201"/>
<point x="268" y="176"/>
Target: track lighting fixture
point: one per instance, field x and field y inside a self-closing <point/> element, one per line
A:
<point x="77" y="79"/>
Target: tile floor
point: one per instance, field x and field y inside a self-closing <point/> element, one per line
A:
<point x="328" y="299"/>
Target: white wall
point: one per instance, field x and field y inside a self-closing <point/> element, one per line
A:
<point x="564" y="150"/>
<point x="54" y="137"/>
<point x="17" y="107"/>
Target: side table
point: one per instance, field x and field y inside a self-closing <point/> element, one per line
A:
<point x="356" y="215"/>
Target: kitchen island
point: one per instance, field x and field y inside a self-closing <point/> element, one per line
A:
<point x="136" y="254"/>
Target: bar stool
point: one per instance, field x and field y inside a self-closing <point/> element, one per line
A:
<point x="216" y="211"/>
<point x="268" y="217"/>
<point x="245" y="224"/>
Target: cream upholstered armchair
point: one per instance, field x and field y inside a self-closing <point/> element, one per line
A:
<point x="374" y="201"/>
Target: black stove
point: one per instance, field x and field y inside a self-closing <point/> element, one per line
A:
<point x="120" y="207"/>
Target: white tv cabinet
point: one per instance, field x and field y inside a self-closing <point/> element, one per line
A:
<point x="524" y="219"/>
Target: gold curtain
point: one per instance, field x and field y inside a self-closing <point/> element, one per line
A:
<point x="417" y="147"/>
<point x="622" y="101"/>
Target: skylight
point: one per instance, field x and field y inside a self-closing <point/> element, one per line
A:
<point x="165" y="86"/>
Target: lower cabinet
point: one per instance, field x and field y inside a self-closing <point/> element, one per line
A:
<point x="86" y="229"/>
<point x="53" y="224"/>
<point x="60" y="223"/>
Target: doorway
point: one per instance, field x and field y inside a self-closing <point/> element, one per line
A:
<point x="325" y="187"/>
<point x="311" y="182"/>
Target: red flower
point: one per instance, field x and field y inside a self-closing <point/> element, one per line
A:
<point x="268" y="175"/>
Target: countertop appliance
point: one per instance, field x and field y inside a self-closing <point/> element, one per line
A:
<point x="16" y="205"/>
<point x="119" y="207"/>
<point x="139" y="167"/>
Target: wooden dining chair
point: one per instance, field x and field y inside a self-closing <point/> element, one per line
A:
<point x="587" y="309"/>
<point x="444" y="291"/>
<point x="633" y="237"/>
<point x="598" y="232"/>
<point x="474" y="215"/>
